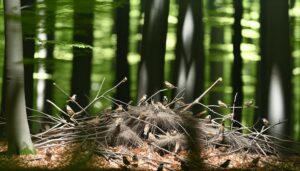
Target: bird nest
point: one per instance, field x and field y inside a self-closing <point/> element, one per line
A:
<point x="167" y="127"/>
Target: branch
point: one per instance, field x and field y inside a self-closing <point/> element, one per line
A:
<point x="202" y="95"/>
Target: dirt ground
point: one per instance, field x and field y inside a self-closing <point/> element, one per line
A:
<point x="78" y="157"/>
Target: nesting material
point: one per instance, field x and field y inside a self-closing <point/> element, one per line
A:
<point x="167" y="128"/>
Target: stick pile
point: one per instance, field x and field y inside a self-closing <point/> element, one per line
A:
<point x="164" y="126"/>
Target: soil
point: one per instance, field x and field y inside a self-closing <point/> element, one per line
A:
<point x="72" y="157"/>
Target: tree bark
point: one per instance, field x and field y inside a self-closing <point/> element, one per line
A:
<point x="189" y="62"/>
<point x="50" y="31"/>
<point x="82" y="57"/>
<point x="151" y="68"/>
<point x="122" y="66"/>
<point x="237" y="83"/>
<point x="276" y="65"/>
<point x="19" y="140"/>
<point x="29" y="32"/>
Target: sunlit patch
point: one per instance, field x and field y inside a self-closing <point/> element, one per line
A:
<point x="276" y="101"/>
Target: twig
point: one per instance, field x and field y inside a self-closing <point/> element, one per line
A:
<point x="99" y="90"/>
<point x="202" y="95"/>
<point x="60" y="89"/>
<point x="97" y="97"/>
<point x="159" y="91"/>
<point x="49" y="101"/>
<point x="48" y="116"/>
<point x="233" y="111"/>
<point x="173" y="101"/>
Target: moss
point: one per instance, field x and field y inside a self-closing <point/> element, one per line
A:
<point x="26" y="151"/>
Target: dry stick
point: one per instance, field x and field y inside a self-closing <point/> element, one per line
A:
<point x="159" y="91"/>
<point x="233" y="111"/>
<point x="100" y="88"/>
<point x="116" y="100"/>
<point x="99" y="97"/>
<point x="49" y="116"/>
<point x="211" y="110"/>
<point x="260" y="148"/>
<point x="62" y="111"/>
<point x="175" y="99"/>
<point x="110" y="100"/>
<point x="62" y="120"/>
<point x="202" y="95"/>
<point x="50" y="129"/>
<point x="61" y="90"/>
<point x="132" y="117"/>
<point x="256" y="138"/>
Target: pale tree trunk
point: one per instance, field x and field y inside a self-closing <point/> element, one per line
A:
<point x="189" y="73"/>
<point x="276" y="65"/>
<point x="19" y="140"/>
<point x="151" y="69"/>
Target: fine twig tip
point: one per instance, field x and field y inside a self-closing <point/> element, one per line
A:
<point x="124" y="79"/>
<point x="220" y="79"/>
<point x="54" y="83"/>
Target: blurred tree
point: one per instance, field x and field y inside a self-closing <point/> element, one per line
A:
<point x="237" y="83"/>
<point x="151" y="67"/>
<point x="45" y="47"/>
<point x="217" y="32"/>
<point x="50" y="31"/>
<point x="82" y="57"/>
<point x="140" y="25"/>
<point x="276" y="65"/>
<point x="19" y="140"/>
<point x="122" y="66"/>
<point x="29" y="33"/>
<point x="189" y="62"/>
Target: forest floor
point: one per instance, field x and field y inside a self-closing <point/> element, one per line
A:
<point x="151" y="135"/>
<point x="70" y="157"/>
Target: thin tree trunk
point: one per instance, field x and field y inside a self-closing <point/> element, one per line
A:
<point x="151" y="69"/>
<point x="82" y="57"/>
<point x="237" y="83"/>
<point x="19" y="140"/>
<point x="45" y="54"/>
<point x="217" y="37"/>
<point x="50" y="31"/>
<point x="122" y="66"/>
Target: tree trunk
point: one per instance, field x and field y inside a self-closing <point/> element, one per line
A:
<point x="237" y="83"/>
<point x="50" y="31"/>
<point x="29" y="32"/>
<point x="122" y="66"/>
<point x="216" y="67"/>
<point x="82" y="57"/>
<point x="276" y="65"/>
<point x="189" y="73"/>
<point x="19" y="140"/>
<point x="45" y="54"/>
<point x="151" y="69"/>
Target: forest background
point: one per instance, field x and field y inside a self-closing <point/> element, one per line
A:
<point x="253" y="45"/>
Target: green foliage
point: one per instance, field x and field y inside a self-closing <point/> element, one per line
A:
<point x="24" y="150"/>
<point x="27" y="151"/>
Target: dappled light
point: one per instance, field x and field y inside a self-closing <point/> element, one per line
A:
<point x="149" y="85"/>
